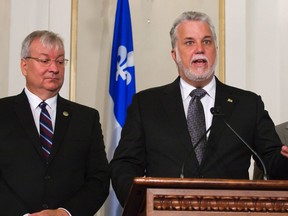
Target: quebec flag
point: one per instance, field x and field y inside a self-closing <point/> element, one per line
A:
<point x="122" y="85"/>
<point x="122" y="76"/>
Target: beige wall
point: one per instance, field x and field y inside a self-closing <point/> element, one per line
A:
<point x="4" y="44"/>
<point x="18" y="19"/>
<point x="256" y="51"/>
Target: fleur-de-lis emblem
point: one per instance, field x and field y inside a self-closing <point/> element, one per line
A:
<point x="125" y="61"/>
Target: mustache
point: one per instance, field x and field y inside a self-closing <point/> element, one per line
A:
<point x="198" y="58"/>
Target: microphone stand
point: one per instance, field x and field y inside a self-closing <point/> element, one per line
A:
<point x="217" y="112"/>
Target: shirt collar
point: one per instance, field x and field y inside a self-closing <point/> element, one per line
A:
<point x="34" y="100"/>
<point x="186" y="88"/>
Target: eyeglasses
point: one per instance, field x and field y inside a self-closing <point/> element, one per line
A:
<point x="46" y="62"/>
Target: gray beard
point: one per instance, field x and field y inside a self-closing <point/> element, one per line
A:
<point x="191" y="75"/>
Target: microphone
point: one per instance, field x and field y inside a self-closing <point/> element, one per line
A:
<point x="217" y="112"/>
<point x="189" y="153"/>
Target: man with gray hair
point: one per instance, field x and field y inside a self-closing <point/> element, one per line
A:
<point x="170" y="131"/>
<point x="52" y="154"/>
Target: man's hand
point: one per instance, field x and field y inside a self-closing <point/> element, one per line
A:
<point x="284" y="151"/>
<point x="55" y="212"/>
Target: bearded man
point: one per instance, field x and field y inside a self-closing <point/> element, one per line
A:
<point x="161" y="136"/>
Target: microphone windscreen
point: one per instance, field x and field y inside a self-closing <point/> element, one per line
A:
<point x="216" y="110"/>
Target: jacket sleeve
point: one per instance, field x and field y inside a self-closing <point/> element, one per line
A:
<point x="129" y="157"/>
<point x="11" y="204"/>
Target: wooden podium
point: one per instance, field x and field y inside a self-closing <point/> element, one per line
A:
<point x="203" y="197"/>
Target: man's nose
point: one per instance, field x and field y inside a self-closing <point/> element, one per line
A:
<point x="199" y="48"/>
<point x="54" y="67"/>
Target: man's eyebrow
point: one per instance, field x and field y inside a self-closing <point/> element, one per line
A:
<point x="189" y="38"/>
<point x="208" y="36"/>
<point x="205" y="37"/>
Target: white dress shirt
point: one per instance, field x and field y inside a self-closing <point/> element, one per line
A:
<point x="208" y="101"/>
<point x="34" y="101"/>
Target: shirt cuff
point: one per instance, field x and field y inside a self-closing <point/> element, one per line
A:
<point x="27" y="214"/>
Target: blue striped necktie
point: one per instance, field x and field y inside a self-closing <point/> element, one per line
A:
<point x="46" y="130"/>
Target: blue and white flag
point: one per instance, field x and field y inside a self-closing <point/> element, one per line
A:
<point x="122" y="75"/>
<point x="122" y="86"/>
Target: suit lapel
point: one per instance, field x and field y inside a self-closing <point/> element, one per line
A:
<point x="173" y="107"/>
<point x="23" y="111"/>
<point x="227" y="100"/>
<point x="63" y="116"/>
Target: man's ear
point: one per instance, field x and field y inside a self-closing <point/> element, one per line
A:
<point x="24" y="66"/>
<point x="173" y="54"/>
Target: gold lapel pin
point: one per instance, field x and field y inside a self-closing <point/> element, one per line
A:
<point x="65" y="113"/>
<point x="229" y="100"/>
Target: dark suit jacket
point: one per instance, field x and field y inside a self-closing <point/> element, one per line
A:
<point x="282" y="131"/>
<point x="77" y="174"/>
<point x="155" y="140"/>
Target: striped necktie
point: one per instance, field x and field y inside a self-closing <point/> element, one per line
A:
<point x="46" y="130"/>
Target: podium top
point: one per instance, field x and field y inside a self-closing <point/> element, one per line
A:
<point x="152" y="182"/>
<point x="137" y="197"/>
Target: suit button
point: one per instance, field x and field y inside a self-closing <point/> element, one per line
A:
<point x="45" y="206"/>
<point x="47" y="178"/>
